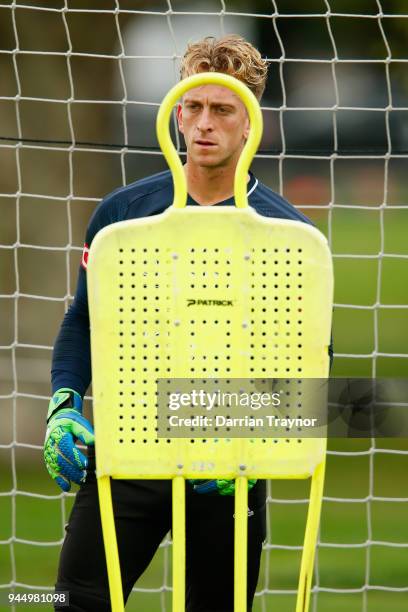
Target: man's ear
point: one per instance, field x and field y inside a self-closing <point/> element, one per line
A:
<point x="179" y="114"/>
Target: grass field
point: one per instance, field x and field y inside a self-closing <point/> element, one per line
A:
<point x="342" y="523"/>
<point x="358" y="282"/>
<point x="349" y="523"/>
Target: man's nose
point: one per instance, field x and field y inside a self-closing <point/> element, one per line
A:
<point x="204" y="122"/>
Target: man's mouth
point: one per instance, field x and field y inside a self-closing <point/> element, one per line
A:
<point x="205" y="143"/>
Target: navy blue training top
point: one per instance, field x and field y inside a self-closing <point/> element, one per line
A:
<point x="71" y="363"/>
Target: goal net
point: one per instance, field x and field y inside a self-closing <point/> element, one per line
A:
<point x="80" y="85"/>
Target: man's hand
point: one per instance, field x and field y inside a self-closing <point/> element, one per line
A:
<point x="220" y="486"/>
<point x="65" y="425"/>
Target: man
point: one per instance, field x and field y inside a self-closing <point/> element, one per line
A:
<point x="215" y="126"/>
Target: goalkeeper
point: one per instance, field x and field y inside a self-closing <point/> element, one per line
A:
<point x="215" y="126"/>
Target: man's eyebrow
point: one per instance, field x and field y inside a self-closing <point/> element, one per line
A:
<point x="227" y="104"/>
<point x="215" y="104"/>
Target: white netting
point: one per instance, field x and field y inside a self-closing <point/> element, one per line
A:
<point x="80" y="86"/>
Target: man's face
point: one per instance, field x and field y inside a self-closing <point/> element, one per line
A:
<point x="215" y="125"/>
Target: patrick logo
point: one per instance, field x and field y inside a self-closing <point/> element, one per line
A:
<point x="85" y="254"/>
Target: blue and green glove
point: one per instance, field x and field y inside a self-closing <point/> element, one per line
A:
<point x="65" y="425"/>
<point x="220" y="486"/>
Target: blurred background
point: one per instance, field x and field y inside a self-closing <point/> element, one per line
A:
<point x="80" y="85"/>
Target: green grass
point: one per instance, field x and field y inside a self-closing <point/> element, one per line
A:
<point x="342" y="523"/>
<point x="365" y="282"/>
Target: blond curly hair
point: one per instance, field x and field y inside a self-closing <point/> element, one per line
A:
<point x="230" y="54"/>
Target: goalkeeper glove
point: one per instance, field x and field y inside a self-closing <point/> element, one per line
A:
<point x="65" y="425"/>
<point x="220" y="486"/>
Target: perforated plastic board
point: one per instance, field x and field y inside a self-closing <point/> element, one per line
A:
<point x="265" y="287"/>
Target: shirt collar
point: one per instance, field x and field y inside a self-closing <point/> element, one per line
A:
<point x="251" y="186"/>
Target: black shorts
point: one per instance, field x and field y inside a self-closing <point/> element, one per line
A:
<point x="143" y="517"/>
